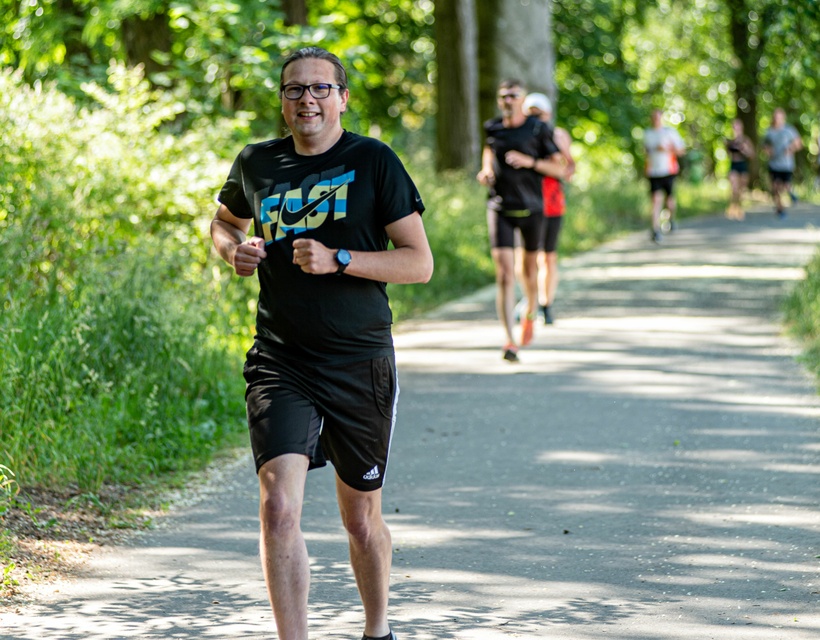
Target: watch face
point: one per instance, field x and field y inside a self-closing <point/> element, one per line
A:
<point x="343" y="257"/>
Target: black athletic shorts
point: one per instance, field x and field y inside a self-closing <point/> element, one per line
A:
<point x="343" y="414"/>
<point x="502" y="226"/>
<point x="739" y="166"/>
<point x="781" y="176"/>
<point x="551" y="230"/>
<point x="664" y="183"/>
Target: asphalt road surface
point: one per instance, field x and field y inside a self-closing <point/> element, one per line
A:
<point x="650" y="470"/>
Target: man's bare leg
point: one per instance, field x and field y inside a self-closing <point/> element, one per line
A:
<point x="282" y="546"/>
<point x="505" y="289"/>
<point x="547" y="277"/>
<point x="657" y="207"/>
<point x="371" y="552"/>
<point x="530" y="281"/>
<point x="671" y="206"/>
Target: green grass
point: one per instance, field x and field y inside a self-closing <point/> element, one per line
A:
<point x="802" y="313"/>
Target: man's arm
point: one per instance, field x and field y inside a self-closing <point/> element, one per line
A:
<point x="554" y="166"/>
<point x="409" y="261"/>
<point x="564" y="142"/>
<point x="797" y="143"/>
<point x="679" y="146"/>
<point x="229" y="235"/>
<point x="486" y="176"/>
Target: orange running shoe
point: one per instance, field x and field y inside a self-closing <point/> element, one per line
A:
<point x="527" y="329"/>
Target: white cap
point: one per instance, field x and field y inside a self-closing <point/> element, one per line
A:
<point x="537" y="100"/>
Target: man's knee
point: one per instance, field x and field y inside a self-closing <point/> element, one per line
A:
<point x="362" y="519"/>
<point x="530" y="263"/>
<point x="279" y="514"/>
<point x="281" y="483"/>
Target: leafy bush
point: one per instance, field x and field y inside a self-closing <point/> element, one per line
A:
<point x="118" y="329"/>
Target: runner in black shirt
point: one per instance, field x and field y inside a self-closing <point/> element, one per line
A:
<point x="518" y="152"/>
<point x="321" y="380"/>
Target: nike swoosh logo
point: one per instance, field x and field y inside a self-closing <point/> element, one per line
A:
<point x="290" y="218"/>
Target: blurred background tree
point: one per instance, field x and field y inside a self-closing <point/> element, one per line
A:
<point x="703" y="61"/>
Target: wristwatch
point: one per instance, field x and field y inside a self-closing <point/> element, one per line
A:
<point x="342" y="259"/>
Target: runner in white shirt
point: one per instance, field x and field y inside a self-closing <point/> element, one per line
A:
<point x="663" y="148"/>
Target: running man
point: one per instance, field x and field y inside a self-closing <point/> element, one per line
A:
<point x="740" y="149"/>
<point x="518" y="151"/>
<point x="780" y="144"/>
<point x="539" y="106"/>
<point x="321" y="375"/>
<point x="663" y="148"/>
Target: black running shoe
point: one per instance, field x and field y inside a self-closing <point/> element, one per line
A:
<point x="656" y="236"/>
<point x="390" y="636"/>
<point x="510" y="353"/>
<point x="545" y="311"/>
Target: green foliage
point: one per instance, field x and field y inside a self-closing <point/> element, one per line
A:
<point x="222" y="57"/>
<point x="802" y="310"/>
<point x="114" y="315"/>
<point x="594" y="74"/>
<point x="456" y="225"/>
<point x="618" y="59"/>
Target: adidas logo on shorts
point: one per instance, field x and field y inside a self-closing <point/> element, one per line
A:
<point x="373" y="474"/>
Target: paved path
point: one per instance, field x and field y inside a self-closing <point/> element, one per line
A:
<point x="649" y="471"/>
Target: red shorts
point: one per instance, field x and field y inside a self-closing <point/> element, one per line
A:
<point x="553" y="193"/>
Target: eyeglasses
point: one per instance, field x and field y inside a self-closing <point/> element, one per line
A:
<point x="320" y="90"/>
<point x="509" y="96"/>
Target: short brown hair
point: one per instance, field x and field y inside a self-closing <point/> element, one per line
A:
<point x="321" y="54"/>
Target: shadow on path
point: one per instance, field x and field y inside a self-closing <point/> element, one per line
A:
<point x="648" y="471"/>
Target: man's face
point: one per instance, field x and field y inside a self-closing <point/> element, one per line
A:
<point x="310" y="117"/>
<point x="657" y="118"/>
<point x="779" y="117"/>
<point x="737" y="127"/>
<point x="510" y="100"/>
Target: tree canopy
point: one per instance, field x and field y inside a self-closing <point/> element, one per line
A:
<point x="703" y="61"/>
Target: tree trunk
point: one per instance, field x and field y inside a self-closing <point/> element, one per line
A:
<point x="295" y="12"/>
<point x="141" y="37"/>
<point x="746" y="77"/>
<point x="457" y="130"/>
<point x="515" y="41"/>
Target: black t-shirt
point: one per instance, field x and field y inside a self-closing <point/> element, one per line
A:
<point x="342" y="198"/>
<point x="518" y="189"/>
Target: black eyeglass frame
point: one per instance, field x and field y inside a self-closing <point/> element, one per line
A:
<point x="310" y="88"/>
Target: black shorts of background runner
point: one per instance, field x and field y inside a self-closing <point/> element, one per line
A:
<point x="781" y="176"/>
<point x="739" y="166"/>
<point x="502" y="226"/>
<point x="664" y="183"/>
<point x="552" y="229"/>
<point x="339" y="413"/>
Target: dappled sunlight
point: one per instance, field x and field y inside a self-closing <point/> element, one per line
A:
<point x="701" y="271"/>
<point x="586" y="457"/>
<point x="762" y="514"/>
<point x="408" y="534"/>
